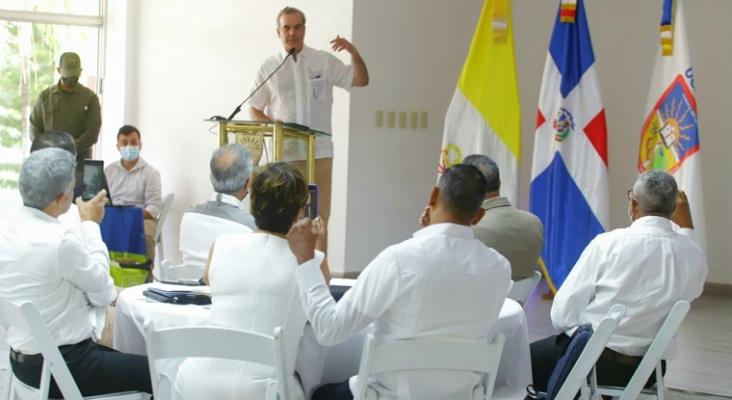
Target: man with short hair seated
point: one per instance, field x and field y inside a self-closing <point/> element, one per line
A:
<point x="443" y="284"/>
<point x="231" y="166"/>
<point x="646" y="267"/>
<point x="134" y="182"/>
<point x="518" y="235"/>
<point x="60" y="270"/>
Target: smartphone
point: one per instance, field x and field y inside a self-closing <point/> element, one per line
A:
<point x="93" y="178"/>
<point x="310" y="210"/>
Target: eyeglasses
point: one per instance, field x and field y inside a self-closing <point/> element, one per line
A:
<point x="629" y="193"/>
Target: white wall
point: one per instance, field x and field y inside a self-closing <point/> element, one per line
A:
<point x="184" y="61"/>
<point x="415" y="52"/>
<point x="189" y="60"/>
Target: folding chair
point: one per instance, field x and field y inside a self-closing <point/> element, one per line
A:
<point x="27" y="318"/>
<point x="164" y="210"/>
<point x="651" y="361"/>
<point x="521" y="290"/>
<point x="583" y="368"/>
<point x="218" y="342"/>
<point x="424" y="354"/>
<point x="171" y="272"/>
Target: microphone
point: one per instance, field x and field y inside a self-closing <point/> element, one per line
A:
<point x="238" y="108"/>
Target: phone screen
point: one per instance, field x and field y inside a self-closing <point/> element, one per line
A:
<point x="311" y="207"/>
<point x="93" y="178"/>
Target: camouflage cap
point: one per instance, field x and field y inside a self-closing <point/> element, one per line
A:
<point x="70" y="64"/>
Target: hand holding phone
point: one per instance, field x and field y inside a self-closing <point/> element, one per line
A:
<point x="92" y="210"/>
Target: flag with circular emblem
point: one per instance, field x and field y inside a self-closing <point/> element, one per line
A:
<point x="483" y="116"/>
<point x="670" y="132"/>
<point x="569" y="176"/>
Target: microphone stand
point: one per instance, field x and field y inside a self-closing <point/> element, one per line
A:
<point x="238" y="108"/>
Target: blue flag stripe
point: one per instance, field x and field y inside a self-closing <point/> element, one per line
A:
<point x="571" y="49"/>
<point x="668" y="12"/>
<point x="569" y="223"/>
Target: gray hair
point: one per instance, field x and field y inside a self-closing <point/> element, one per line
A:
<point x="231" y="167"/>
<point x="290" y="10"/>
<point x="488" y="167"/>
<point x="44" y="175"/>
<point x="655" y="191"/>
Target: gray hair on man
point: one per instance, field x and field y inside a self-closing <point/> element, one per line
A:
<point x="290" y="10"/>
<point x="231" y="167"/>
<point x="655" y="191"/>
<point x="45" y="175"/>
<point x="488" y="167"/>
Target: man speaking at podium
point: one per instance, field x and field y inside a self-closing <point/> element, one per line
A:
<point x="302" y="92"/>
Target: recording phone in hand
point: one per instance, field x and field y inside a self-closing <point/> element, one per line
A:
<point x="93" y="179"/>
<point x="310" y="210"/>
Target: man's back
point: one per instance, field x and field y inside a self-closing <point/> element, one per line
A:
<point x="443" y="283"/>
<point x="518" y="235"/>
<point x="205" y="222"/>
<point x="33" y="264"/>
<point x="646" y="267"/>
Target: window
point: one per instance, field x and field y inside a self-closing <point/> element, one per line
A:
<point x="33" y="35"/>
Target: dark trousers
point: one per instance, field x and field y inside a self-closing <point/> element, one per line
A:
<point x="546" y="353"/>
<point x="333" y="391"/>
<point x="96" y="369"/>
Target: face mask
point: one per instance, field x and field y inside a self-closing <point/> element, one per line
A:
<point x="129" y="153"/>
<point x="70" y="81"/>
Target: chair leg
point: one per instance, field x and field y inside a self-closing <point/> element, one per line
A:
<point x="660" y="384"/>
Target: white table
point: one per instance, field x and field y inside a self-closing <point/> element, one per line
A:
<point x="319" y="364"/>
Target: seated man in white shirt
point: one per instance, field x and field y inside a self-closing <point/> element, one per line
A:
<point x="134" y="182"/>
<point x="60" y="270"/>
<point x="231" y="166"/>
<point x="443" y="283"/>
<point x="646" y="267"/>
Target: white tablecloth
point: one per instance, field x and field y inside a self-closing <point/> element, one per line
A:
<point x="315" y="364"/>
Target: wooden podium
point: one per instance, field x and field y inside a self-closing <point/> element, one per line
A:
<point x="252" y="134"/>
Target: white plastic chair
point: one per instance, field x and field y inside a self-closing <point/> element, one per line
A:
<point x="171" y="272"/>
<point x="521" y="290"/>
<point x="219" y="342"/>
<point x="651" y="361"/>
<point x="584" y="367"/>
<point x="423" y="354"/>
<point x="164" y="210"/>
<point x="27" y="318"/>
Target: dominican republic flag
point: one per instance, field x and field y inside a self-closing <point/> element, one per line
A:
<point x="484" y="117"/>
<point x="569" y="184"/>
<point x="670" y="134"/>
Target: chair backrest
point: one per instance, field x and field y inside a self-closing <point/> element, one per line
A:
<point x="654" y="353"/>
<point x="27" y="318"/>
<point x="424" y="354"/>
<point x="521" y="290"/>
<point x="164" y="210"/>
<point x="217" y="342"/>
<point x="171" y="272"/>
<point x="576" y="380"/>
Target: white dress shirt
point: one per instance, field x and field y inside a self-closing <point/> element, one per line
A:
<point x="646" y="267"/>
<point x="202" y="224"/>
<point x="302" y="92"/>
<point x="61" y="270"/>
<point x="441" y="284"/>
<point x="140" y="186"/>
<point x="14" y="203"/>
<point x="253" y="288"/>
